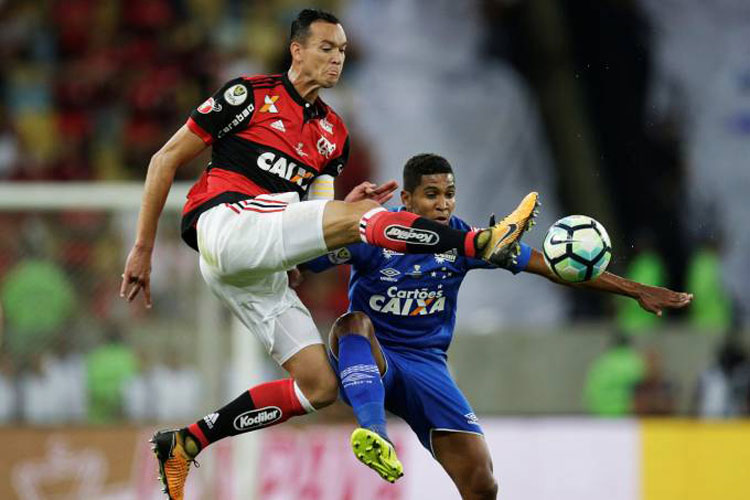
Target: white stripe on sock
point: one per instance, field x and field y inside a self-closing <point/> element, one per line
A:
<point x="302" y="399"/>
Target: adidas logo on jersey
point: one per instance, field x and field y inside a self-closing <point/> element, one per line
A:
<point x="278" y="125"/>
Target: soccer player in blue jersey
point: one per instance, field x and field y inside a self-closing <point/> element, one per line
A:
<point x="390" y="349"/>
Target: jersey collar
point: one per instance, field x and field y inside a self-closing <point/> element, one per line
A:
<point x="310" y="111"/>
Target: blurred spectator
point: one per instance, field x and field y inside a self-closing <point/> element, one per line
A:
<point x="38" y="299"/>
<point x="723" y="389"/>
<point x="170" y="390"/>
<point x="611" y="379"/>
<point x="711" y="309"/>
<point x="52" y="389"/>
<point x="646" y="267"/>
<point x="654" y="394"/>
<point x="108" y="368"/>
<point x="7" y="381"/>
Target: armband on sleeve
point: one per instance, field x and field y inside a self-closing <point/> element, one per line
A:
<point x="321" y="188"/>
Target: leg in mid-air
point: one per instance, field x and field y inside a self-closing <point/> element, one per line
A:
<point x="466" y="459"/>
<point x="312" y="385"/>
<point x="360" y="364"/>
<point x="405" y="232"/>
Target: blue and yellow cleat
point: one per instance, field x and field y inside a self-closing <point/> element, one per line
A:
<point x="377" y="453"/>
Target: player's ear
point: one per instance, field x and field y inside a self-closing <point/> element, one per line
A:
<point x="295" y="49"/>
<point x="406" y="198"/>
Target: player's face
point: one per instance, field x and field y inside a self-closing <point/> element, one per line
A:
<point x="434" y="198"/>
<point x="322" y="56"/>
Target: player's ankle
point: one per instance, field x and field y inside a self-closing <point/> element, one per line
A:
<point x="380" y="430"/>
<point x="191" y="445"/>
<point x="481" y="239"/>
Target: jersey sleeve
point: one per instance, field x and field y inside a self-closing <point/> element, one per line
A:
<point x="521" y="262"/>
<point x="228" y="110"/>
<point x="337" y="164"/>
<point x="359" y="255"/>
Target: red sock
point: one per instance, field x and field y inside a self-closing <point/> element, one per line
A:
<point x="262" y="406"/>
<point x="406" y="232"/>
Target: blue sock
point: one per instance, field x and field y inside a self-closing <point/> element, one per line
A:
<point x="360" y="379"/>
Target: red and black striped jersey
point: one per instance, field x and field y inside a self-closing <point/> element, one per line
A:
<point x="265" y="138"/>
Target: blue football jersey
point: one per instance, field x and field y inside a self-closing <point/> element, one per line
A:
<point x="410" y="298"/>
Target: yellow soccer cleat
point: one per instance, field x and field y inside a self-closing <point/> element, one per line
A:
<point x="503" y="246"/>
<point x="174" y="462"/>
<point x="377" y="453"/>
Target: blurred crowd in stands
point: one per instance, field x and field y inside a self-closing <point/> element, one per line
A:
<point x="634" y="112"/>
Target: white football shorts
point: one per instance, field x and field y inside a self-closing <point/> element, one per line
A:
<point x="245" y="250"/>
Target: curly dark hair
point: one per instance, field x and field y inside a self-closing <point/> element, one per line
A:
<point x="424" y="164"/>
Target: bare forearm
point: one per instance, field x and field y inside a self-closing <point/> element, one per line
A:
<point x="158" y="182"/>
<point x="612" y="283"/>
<point x="650" y="298"/>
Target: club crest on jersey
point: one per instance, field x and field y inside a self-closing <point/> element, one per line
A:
<point x="208" y="106"/>
<point x="418" y="302"/>
<point x="269" y="104"/>
<point x="236" y="94"/>
<point x="325" y="147"/>
<point x="285" y="169"/>
<point x="396" y="232"/>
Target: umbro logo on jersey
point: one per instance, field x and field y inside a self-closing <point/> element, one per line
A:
<point x="472" y="419"/>
<point x="211" y="420"/>
<point x="269" y="106"/>
<point x="279" y="125"/>
<point x="389" y="274"/>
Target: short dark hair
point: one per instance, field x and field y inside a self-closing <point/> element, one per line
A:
<point x="424" y="164"/>
<point x="301" y="25"/>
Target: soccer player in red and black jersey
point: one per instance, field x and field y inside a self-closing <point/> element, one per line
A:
<point x="263" y="205"/>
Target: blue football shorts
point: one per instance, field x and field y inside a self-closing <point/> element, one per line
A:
<point x="419" y="389"/>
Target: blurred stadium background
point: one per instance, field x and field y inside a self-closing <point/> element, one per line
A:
<point x="636" y="112"/>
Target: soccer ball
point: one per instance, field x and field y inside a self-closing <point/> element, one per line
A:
<point x="577" y="248"/>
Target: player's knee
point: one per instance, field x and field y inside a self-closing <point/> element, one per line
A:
<point x="353" y="323"/>
<point x="321" y="391"/>
<point x="482" y="484"/>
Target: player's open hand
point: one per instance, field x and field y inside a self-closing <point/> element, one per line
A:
<point x="369" y="191"/>
<point x="137" y="275"/>
<point x="655" y="299"/>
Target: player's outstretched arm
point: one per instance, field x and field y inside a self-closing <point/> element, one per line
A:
<point x="653" y="299"/>
<point x="182" y="147"/>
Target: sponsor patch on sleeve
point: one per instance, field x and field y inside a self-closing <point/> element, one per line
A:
<point x="236" y="94"/>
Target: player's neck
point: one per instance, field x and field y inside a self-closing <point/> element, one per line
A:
<point x="305" y="87"/>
